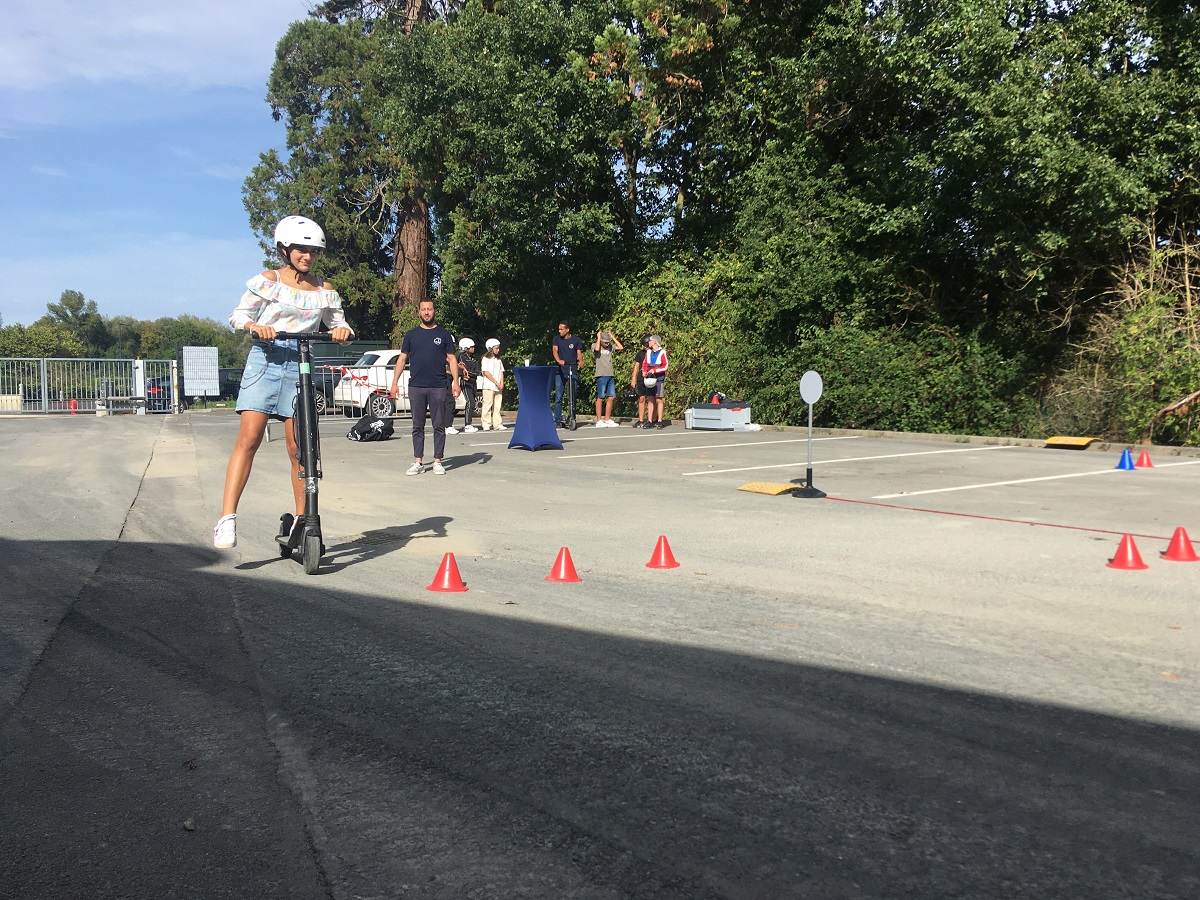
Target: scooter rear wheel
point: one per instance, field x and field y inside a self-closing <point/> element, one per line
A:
<point x="312" y="553"/>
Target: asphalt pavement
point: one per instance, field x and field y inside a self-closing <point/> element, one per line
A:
<point x="928" y="684"/>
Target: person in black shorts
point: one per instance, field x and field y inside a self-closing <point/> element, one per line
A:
<point x="649" y="373"/>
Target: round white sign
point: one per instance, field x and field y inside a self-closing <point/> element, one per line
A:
<point x="811" y="387"/>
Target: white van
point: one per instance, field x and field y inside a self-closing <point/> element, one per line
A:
<point x="363" y="386"/>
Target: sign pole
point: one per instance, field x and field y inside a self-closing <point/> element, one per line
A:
<point x="811" y="388"/>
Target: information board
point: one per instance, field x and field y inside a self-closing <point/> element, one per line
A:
<point x="201" y="376"/>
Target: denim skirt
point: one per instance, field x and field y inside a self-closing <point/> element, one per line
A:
<point x="270" y="378"/>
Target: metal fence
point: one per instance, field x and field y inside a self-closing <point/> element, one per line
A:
<point x="41" y="385"/>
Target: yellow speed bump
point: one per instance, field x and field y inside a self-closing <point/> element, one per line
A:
<point x="766" y="487"/>
<point x="1070" y="443"/>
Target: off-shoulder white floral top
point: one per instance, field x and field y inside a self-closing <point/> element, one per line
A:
<point x="286" y="308"/>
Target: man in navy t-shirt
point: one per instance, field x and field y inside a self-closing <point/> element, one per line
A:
<point x="429" y="350"/>
<point x="568" y="355"/>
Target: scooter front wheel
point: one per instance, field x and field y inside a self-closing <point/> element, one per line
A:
<point x="312" y="553"/>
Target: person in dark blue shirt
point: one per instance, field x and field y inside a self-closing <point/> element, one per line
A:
<point x="568" y="355"/>
<point x="429" y="351"/>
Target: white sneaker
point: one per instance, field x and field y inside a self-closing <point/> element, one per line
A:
<point x="600" y="424"/>
<point x="451" y="430"/>
<point x="438" y="468"/>
<point x="502" y="428"/>
<point x="225" y="534"/>
<point x="611" y="424"/>
<point x="470" y="429"/>
<point x="415" y="469"/>
<point x="487" y="427"/>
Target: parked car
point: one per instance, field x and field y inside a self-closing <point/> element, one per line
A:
<point x="327" y="373"/>
<point x="230" y="382"/>
<point x="160" y="396"/>
<point x="364" y="386"/>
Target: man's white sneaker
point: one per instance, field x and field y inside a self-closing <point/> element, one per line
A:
<point x="415" y="469"/>
<point x="502" y="428"/>
<point x="470" y="429"/>
<point x="487" y="427"/>
<point x="225" y="534"/>
<point x="451" y="430"/>
<point x="600" y="424"/>
<point x="438" y="468"/>
<point x="611" y="424"/>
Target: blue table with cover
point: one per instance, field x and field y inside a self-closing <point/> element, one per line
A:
<point x="535" y="420"/>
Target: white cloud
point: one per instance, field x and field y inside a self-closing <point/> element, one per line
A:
<point x="49" y="171"/>
<point x="218" y="43"/>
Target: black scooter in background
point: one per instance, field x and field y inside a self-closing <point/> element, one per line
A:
<point x="572" y="381"/>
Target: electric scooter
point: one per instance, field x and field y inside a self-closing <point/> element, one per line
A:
<point x="306" y="534"/>
<point x="572" y="380"/>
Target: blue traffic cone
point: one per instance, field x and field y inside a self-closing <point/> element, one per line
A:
<point x="1126" y="462"/>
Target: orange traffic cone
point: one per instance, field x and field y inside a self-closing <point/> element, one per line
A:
<point x="1127" y="555"/>
<point x="1180" y="548"/>
<point x="564" y="568"/>
<point x="447" y="577"/>
<point x="1143" y="461"/>
<point x="662" y="558"/>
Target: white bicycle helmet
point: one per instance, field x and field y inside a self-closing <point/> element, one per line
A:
<point x="492" y="344"/>
<point x="297" y="231"/>
<point x="465" y="343"/>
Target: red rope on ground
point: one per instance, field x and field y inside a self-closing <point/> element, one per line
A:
<point x="943" y="512"/>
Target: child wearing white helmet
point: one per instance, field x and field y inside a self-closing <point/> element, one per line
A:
<point x="289" y="299"/>
<point x="493" y="386"/>
<point x="468" y="374"/>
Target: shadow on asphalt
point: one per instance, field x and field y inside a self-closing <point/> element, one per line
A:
<point x="341" y="553"/>
<point x="476" y="748"/>
<point x="468" y="459"/>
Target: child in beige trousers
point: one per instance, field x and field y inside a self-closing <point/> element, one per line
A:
<point x="492" y="373"/>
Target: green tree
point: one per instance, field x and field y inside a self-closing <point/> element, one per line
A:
<point x="342" y="167"/>
<point x="513" y="146"/>
<point x="40" y="339"/>
<point x="80" y="318"/>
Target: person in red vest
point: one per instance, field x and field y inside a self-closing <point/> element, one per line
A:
<point x="649" y="378"/>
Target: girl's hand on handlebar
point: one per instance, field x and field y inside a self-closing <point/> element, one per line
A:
<point x="263" y="332"/>
<point x="340" y="335"/>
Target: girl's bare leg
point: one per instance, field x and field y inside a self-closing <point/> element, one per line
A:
<point x="293" y="450"/>
<point x="251" y="428"/>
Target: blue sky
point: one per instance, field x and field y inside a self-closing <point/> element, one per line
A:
<point x="126" y="130"/>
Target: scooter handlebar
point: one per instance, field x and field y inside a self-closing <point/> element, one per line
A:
<point x="303" y="336"/>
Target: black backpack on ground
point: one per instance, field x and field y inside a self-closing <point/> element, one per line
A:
<point x="371" y="428"/>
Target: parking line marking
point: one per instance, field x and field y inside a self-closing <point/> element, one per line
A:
<point x="632" y="432"/>
<point x="971" y="487"/>
<point x="848" y="437"/>
<point x="817" y="462"/>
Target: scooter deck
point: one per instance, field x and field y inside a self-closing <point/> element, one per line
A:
<point x="292" y="538"/>
<point x="296" y="537"/>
